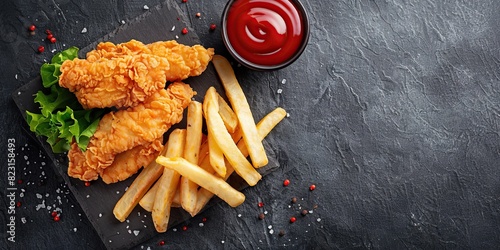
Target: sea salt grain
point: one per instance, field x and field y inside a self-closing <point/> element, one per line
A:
<point x="173" y="28"/>
<point x="318" y="220"/>
<point x="136" y="232"/>
<point x="279" y="91"/>
<point x="84" y="30"/>
<point x="145" y="7"/>
<point x="283" y="81"/>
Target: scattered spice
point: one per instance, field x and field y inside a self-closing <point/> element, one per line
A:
<point x="53" y="214"/>
<point x="213" y="26"/>
<point x="184" y="228"/>
<point x="286" y="182"/>
<point x="32" y="27"/>
<point x="261" y="204"/>
<point x="281" y="233"/>
<point x="184" y="31"/>
<point x="48" y="32"/>
<point x="41" y="49"/>
<point x="161" y="243"/>
<point x="53" y="40"/>
<point x="304" y="212"/>
<point x="198" y="14"/>
<point x="49" y="36"/>
<point x="184" y="1"/>
<point x="18" y="204"/>
<point x="294" y="199"/>
<point x="261" y="216"/>
<point x="19" y="181"/>
<point x="312" y="187"/>
<point x="293" y="219"/>
<point x="87" y="183"/>
<point x="204" y="219"/>
<point x="57" y="218"/>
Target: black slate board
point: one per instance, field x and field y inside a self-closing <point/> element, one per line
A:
<point x="98" y="199"/>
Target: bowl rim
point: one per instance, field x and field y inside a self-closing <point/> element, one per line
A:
<point x="305" y="39"/>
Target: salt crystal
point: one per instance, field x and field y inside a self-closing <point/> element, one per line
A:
<point x="19" y="93"/>
<point x="39" y="196"/>
<point x="15" y="76"/>
<point x="74" y="229"/>
<point x="270" y="226"/>
<point x="117" y="192"/>
<point x="271" y="231"/>
<point x="84" y="30"/>
<point x="201" y="224"/>
<point x="149" y="248"/>
<point x="23" y="220"/>
<point x="21" y="195"/>
<point x="100" y="215"/>
<point x="123" y="21"/>
<point x="174" y="229"/>
<point x="239" y="215"/>
<point x="145" y="7"/>
<point x="318" y="220"/>
<point x="53" y="50"/>
<point x="287" y="114"/>
<point x="136" y="232"/>
<point x="222" y="242"/>
<point x="128" y="221"/>
<point x="129" y="231"/>
<point x="310" y="211"/>
<point x="283" y="81"/>
<point x="279" y="91"/>
<point x="25" y="157"/>
<point x="176" y="37"/>
<point x="265" y="212"/>
<point x="88" y="195"/>
<point x="49" y="207"/>
<point x="110" y="241"/>
<point x="173" y="28"/>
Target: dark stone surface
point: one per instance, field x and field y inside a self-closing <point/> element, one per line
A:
<point x="394" y="116"/>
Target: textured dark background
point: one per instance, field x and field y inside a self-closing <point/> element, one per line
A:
<point x="394" y="115"/>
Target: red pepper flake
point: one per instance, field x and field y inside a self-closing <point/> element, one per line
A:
<point x="286" y="182"/>
<point x="184" y="228"/>
<point x="53" y="40"/>
<point x="184" y="31"/>
<point x="204" y="219"/>
<point x="32" y="27"/>
<point x="312" y="187"/>
<point x="41" y="49"/>
<point x="54" y="214"/>
<point x="87" y="183"/>
<point x="18" y="204"/>
<point x="161" y="243"/>
<point x="261" y="204"/>
<point x="293" y="219"/>
<point x="213" y="27"/>
<point x="57" y="218"/>
<point x="19" y="181"/>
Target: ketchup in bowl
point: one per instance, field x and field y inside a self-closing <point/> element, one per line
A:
<point x="265" y="34"/>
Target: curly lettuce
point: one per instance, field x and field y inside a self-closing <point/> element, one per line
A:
<point x="62" y="119"/>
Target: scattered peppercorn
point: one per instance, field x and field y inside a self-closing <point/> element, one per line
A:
<point x="282" y="233"/>
<point x="213" y="26"/>
<point x="41" y="49"/>
<point x="48" y="32"/>
<point x="161" y="243"/>
<point x="204" y="219"/>
<point x="294" y="200"/>
<point x="312" y="187"/>
<point x="184" y="31"/>
<point x="18" y="204"/>
<point x="184" y="228"/>
<point x="198" y="14"/>
<point x="87" y="183"/>
<point x="261" y="204"/>
<point x="53" y="214"/>
<point x="57" y="218"/>
<point x="315" y="206"/>
<point x="53" y="40"/>
<point x="293" y="219"/>
<point x="262" y="216"/>
<point x="32" y="27"/>
<point x="19" y="181"/>
<point x="49" y="36"/>
<point x="184" y="1"/>
<point x="286" y="182"/>
<point x="304" y="212"/>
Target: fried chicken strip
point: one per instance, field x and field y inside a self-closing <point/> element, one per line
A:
<point x="124" y="129"/>
<point x="120" y="82"/>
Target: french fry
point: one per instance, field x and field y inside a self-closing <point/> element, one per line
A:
<point x="148" y="199"/>
<point x="242" y="109"/>
<point x="189" y="189"/>
<point x="264" y="127"/>
<point x="168" y="182"/>
<point x="137" y="189"/>
<point x="206" y="180"/>
<point x="214" y="151"/>
<point x="227" y="114"/>
<point x="233" y="154"/>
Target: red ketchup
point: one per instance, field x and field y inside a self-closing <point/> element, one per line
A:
<point x="265" y="32"/>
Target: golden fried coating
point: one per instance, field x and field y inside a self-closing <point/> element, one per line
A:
<point x="124" y="75"/>
<point x="78" y="167"/>
<point x="129" y="162"/>
<point x="120" y="82"/>
<point x="125" y="129"/>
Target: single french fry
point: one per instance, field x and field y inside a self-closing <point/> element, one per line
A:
<point x="206" y="180"/>
<point x="168" y="182"/>
<point x="228" y="116"/>
<point x="189" y="189"/>
<point x="214" y="151"/>
<point x="148" y="199"/>
<point x="137" y="189"/>
<point x="264" y="127"/>
<point x="242" y="109"/>
<point x="227" y="145"/>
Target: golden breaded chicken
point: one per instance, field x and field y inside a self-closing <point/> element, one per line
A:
<point x="78" y="167"/>
<point x="129" y="162"/>
<point x="120" y="82"/>
<point x="125" y="129"/>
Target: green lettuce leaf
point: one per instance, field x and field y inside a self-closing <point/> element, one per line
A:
<point x="61" y="119"/>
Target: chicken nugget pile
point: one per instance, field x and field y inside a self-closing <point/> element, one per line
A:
<point x="130" y="77"/>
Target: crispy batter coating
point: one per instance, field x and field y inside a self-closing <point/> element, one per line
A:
<point x="124" y="129"/>
<point x="129" y="162"/>
<point x="120" y="82"/>
<point x="78" y="167"/>
<point x="124" y="75"/>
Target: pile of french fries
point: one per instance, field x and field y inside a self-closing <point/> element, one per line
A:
<point x="194" y="167"/>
